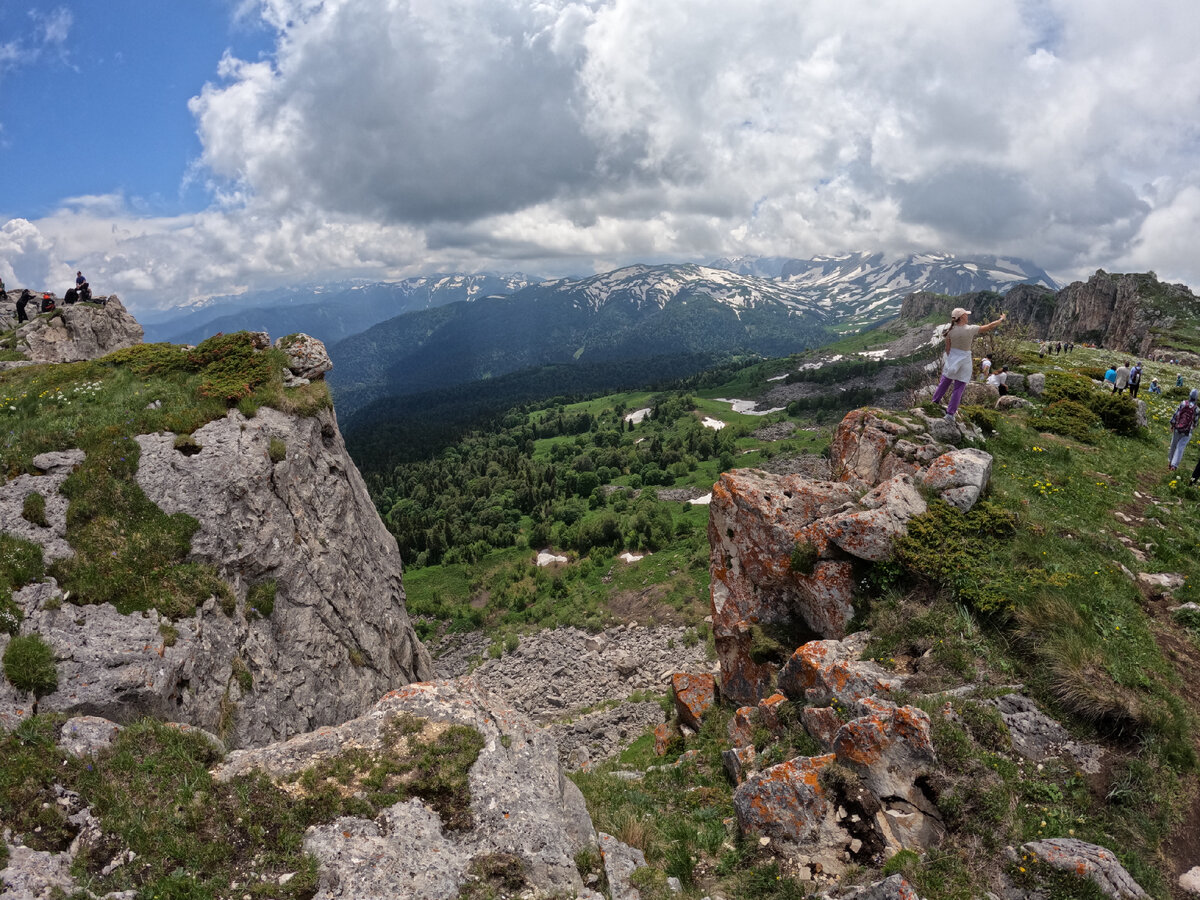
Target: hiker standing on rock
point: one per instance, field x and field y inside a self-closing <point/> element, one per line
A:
<point x="958" y="365"/>
<point x="22" y="302"/>
<point x="1183" y="423"/>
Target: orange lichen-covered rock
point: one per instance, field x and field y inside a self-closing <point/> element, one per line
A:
<point x="821" y="671"/>
<point x="694" y="696"/>
<point x="822" y="723"/>
<point x="741" y="726"/>
<point x="664" y="734"/>
<point x="785" y="801"/>
<point x="959" y="476"/>
<point x="782" y="546"/>
<point x="1090" y="861"/>
<point x="768" y="708"/>
<point x="891" y="748"/>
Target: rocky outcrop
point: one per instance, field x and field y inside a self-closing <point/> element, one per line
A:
<point x="1121" y="312"/>
<point x="338" y="635"/>
<point x="520" y="802"/>
<point x="521" y="807"/>
<point x="865" y="796"/>
<point x="79" y="331"/>
<point x="820" y="672"/>
<point x="859" y="802"/>
<point x="52" y="536"/>
<point x="307" y="358"/>
<point x="1095" y="863"/>
<point x="783" y="546"/>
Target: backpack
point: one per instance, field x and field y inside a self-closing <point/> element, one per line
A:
<point x="1135" y="377"/>
<point x="1185" y="417"/>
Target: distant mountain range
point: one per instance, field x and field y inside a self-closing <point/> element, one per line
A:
<point x="863" y="288"/>
<point x="329" y="312"/>
<point x="631" y="315"/>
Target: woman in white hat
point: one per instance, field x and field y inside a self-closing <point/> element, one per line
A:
<point x="958" y="366"/>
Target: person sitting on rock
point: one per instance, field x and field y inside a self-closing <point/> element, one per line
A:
<point x="79" y="279"/>
<point x="1155" y="388"/>
<point x="22" y="302"/>
<point x="48" y="304"/>
<point x="85" y="293"/>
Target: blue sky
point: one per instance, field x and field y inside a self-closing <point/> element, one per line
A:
<point x="100" y="104"/>
<point x="177" y="149"/>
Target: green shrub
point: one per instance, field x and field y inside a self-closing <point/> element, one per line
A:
<point x="958" y="550"/>
<point x="260" y="599"/>
<point x="187" y="445"/>
<point x="1068" y="387"/>
<point x="29" y="665"/>
<point x="1095" y="373"/>
<point x="151" y="359"/>
<point x="230" y="367"/>
<point x="981" y="416"/>
<point x="277" y="450"/>
<point x="33" y="509"/>
<point x="1068" y="418"/>
<point x="1117" y="412"/>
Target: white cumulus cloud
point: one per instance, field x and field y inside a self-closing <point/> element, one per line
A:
<point x="560" y="135"/>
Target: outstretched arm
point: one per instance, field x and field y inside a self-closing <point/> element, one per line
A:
<point x="984" y="329"/>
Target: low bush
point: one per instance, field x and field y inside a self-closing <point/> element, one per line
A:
<point x="1117" y="412"/>
<point x="1068" y="418"/>
<point x="959" y="550"/>
<point x="29" y="665"/>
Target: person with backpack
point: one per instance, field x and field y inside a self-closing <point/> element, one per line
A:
<point x="1135" y="380"/>
<point x="22" y="302"/>
<point x="1182" y="425"/>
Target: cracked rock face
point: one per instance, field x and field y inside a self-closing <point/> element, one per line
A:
<point x="520" y="801"/>
<point x="337" y="639"/>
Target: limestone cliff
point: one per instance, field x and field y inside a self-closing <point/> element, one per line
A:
<point x="1133" y="313"/>
<point x="314" y="629"/>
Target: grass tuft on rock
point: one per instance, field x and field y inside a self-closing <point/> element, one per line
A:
<point x="29" y="665"/>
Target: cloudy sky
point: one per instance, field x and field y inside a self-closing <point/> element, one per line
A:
<point x="179" y="148"/>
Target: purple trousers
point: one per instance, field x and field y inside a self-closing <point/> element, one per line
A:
<point x="955" y="395"/>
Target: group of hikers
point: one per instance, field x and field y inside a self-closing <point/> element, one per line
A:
<point x="80" y="293"/>
<point x="1055" y="347"/>
<point x="958" y="369"/>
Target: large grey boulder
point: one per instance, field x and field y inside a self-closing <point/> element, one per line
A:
<point x="520" y="801"/>
<point x="1097" y="864"/>
<point x="307" y="357"/>
<point x="80" y="331"/>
